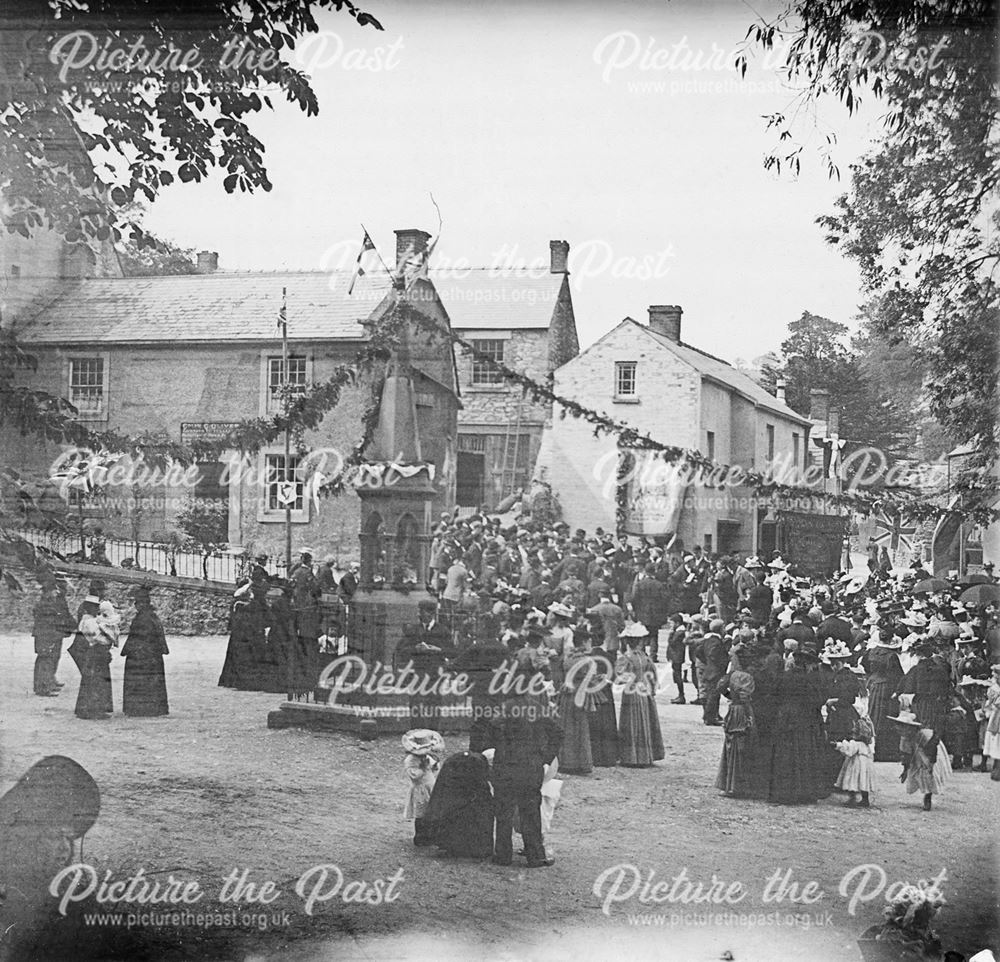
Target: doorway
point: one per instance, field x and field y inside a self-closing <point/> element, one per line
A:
<point x="470" y="478"/>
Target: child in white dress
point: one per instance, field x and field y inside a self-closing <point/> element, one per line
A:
<point x="926" y="767"/>
<point x="857" y="774"/>
<point x="423" y="749"/>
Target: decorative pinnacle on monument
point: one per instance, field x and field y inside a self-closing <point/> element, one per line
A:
<point x="397" y="437"/>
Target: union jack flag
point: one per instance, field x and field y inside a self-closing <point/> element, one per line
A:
<point x="893" y="531"/>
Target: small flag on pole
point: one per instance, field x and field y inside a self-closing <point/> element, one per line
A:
<point x="283" y="313"/>
<point x="366" y="245"/>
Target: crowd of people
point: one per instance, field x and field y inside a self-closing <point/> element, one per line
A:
<point x="821" y="678"/>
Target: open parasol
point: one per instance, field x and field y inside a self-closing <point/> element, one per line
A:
<point x="928" y="585"/>
<point x="980" y="595"/>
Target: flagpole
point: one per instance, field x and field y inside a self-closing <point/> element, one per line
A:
<point x="377" y="254"/>
<point x="288" y="434"/>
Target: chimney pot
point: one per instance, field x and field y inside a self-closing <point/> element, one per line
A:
<point x="558" y="257"/>
<point x="665" y="319"/>
<point x="409" y="242"/>
<point x="819" y="404"/>
<point x="779" y="390"/>
<point x="208" y="262"/>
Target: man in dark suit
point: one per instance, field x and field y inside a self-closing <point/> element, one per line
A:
<point x="716" y="658"/>
<point x="834" y="626"/>
<point x="52" y="623"/>
<point x="428" y="634"/>
<point x="650" y="606"/>
<point x="800" y="630"/>
<point x="525" y="739"/>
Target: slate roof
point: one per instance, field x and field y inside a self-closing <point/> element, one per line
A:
<point x="243" y="306"/>
<point x="725" y="374"/>
<point x="486" y="298"/>
<point x="206" y="307"/>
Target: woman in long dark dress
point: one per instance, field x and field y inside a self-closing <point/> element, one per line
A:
<point x="246" y="653"/>
<point x="929" y="681"/>
<point x="459" y="815"/>
<point x="884" y="671"/>
<point x="575" y="705"/>
<point x="603" y="720"/>
<point x="280" y="634"/>
<point x="796" y="773"/>
<point x="303" y="662"/>
<point x="94" y="700"/>
<point x="735" y="776"/>
<point x="640" y="740"/>
<point x="766" y="669"/>
<point x="144" y="691"/>
<point x="842" y="689"/>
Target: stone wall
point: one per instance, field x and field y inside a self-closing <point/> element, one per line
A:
<point x="185" y="606"/>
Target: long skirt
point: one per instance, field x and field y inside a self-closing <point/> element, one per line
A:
<point x="274" y="674"/>
<point x="640" y="741"/>
<point x="796" y="773"/>
<point x="303" y="667"/>
<point x="144" y="691"/>
<point x="930" y="711"/>
<point x="459" y="815"/>
<point x="246" y="656"/>
<point x="736" y="768"/>
<point x="94" y="699"/>
<point x="575" y="754"/>
<point x="881" y="705"/>
<point x="604" y="733"/>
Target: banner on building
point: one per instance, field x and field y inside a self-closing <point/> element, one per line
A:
<point x="653" y="496"/>
<point x="813" y="543"/>
<point x="206" y="430"/>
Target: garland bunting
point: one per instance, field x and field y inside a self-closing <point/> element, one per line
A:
<point x="306" y="411"/>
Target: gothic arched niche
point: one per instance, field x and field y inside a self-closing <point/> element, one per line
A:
<point x="373" y="550"/>
<point x="407" y="550"/>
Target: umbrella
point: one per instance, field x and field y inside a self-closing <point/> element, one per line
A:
<point x="980" y="595"/>
<point x="930" y="584"/>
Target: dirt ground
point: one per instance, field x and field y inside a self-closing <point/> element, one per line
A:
<point x="210" y="789"/>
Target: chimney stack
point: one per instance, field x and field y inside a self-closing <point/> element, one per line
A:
<point x="665" y="319"/>
<point x="819" y="404"/>
<point x="410" y="241"/>
<point x="208" y="262"/>
<point x="558" y="257"/>
<point x="779" y="390"/>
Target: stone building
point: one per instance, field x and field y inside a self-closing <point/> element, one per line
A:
<point x="646" y="376"/>
<point x="185" y="357"/>
<point x="523" y="318"/>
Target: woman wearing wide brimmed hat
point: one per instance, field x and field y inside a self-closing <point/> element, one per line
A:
<point x="926" y="768"/>
<point x="560" y="639"/>
<point x="640" y="741"/>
